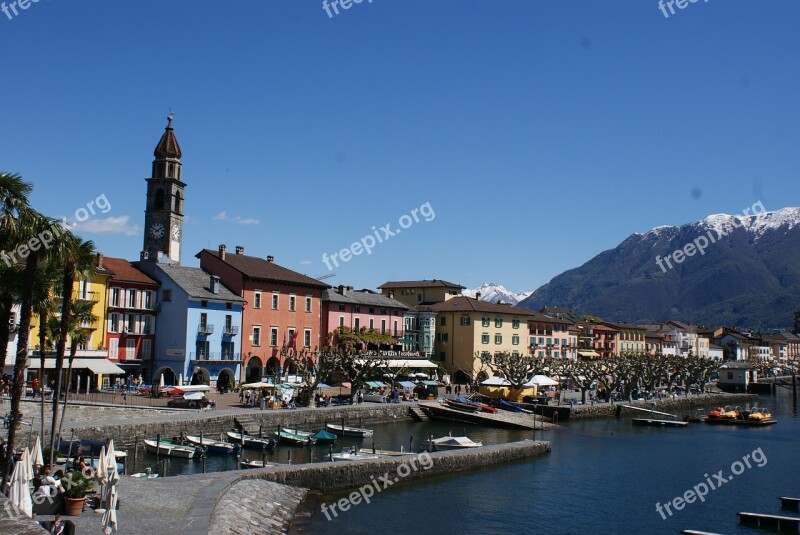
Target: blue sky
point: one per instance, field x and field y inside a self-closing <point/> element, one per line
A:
<point x="541" y="133"/>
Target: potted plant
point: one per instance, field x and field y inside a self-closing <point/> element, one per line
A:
<point x="76" y="485"/>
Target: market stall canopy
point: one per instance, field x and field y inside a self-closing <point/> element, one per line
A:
<point x="408" y="385"/>
<point x="259" y="385"/>
<point x="94" y="365"/>
<point x="541" y="380"/>
<point x="588" y="353"/>
<point x="496" y="381"/>
<point x="194" y="388"/>
<point x="375" y="384"/>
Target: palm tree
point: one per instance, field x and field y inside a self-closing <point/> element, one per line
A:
<point x="79" y="260"/>
<point x="81" y="316"/>
<point x="45" y="307"/>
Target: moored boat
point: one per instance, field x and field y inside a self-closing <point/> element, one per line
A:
<point x="296" y="439"/>
<point x="250" y="441"/>
<point x="349" y="431"/>
<point x="211" y="445"/>
<point x="451" y="443"/>
<point x="759" y="415"/>
<point x="352" y="454"/>
<point x="324" y="437"/>
<point x="462" y="406"/>
<point x="169" y="449"/>
<point x="246" y="464"/>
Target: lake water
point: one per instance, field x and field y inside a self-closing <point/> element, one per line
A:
<point x="602" y="476"/>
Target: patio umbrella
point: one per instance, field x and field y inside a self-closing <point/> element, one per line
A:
<point x="19" y="494"/>
<point x="110" y="496"/>
<point x="101" y="473"/>
<point x="161" y="381"/>
<point x="37" y="460"/>
<point x="180" y="380"/>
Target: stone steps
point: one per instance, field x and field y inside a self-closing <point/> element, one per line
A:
<point x="418" y="414"/>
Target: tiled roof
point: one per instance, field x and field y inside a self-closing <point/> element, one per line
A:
<point x="361" y="297"/>
<point x="168" y="145"/>
<point x="433" y="283"/>
<point x="125" y="271"/>
<point x="254" y="267"/>
<point x="468" y="304"/>
<point x="197" y="283"/>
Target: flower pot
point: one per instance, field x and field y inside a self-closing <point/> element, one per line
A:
<point x="73" y="506"/>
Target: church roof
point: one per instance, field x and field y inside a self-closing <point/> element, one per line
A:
<point x="168" y="145"/>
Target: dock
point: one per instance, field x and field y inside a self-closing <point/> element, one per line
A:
<point x="790" y="504"/>
<point x="695" y="532"/>
<point x="504" y="419"/>
<point x="780" y="523"/>
<point x="650" y="422"/>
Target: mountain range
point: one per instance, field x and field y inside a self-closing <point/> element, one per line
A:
<point x="747" y="274"/>
<point x="494" y="293"/>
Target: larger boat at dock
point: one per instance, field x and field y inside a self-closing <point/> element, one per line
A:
<point x="346" y="430"/>
<point x="169" y="449"/>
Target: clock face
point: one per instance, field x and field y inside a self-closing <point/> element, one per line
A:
<point x="176" y="232"/>
<point x="157" y="231"/>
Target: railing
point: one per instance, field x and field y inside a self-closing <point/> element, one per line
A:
<point x="214" y="355"/>
<point x="205" y="329"/>
<point x="230" y="330"/>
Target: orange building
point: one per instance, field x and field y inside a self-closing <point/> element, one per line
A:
<point x="282" y="309"/>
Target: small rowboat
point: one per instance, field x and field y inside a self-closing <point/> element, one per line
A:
<point x="250" y="441"/>
<point x="244" y="463"/>
<point x="296" y="439"/>
<point x="324" y="437"/>
<point x="461" y="406"/>
<point x="451" y="443"/>
<point x="346" y="430"/>
<point x="213" y="446"/>
<point x="352" y="454"/>
<point x="169" y="449"/>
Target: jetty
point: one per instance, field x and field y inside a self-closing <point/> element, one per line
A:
<point x="778" y="522"/>
<point x="654" y="422"/>
<point x="502" y="419"/>
<point x="790" y="504"/>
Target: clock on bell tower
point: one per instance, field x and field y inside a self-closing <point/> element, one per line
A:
<point x="163" y="215"/>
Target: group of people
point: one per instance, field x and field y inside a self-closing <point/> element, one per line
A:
<point x="457" y="389"/>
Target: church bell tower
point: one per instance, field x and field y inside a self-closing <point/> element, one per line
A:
<point x="163" y="215"/>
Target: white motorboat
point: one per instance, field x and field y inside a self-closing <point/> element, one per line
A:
<point x="451" y="443"/>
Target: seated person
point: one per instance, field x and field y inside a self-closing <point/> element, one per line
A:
<point x="52" y="481"/>
<point x="58" y="526"/>
<point x="43" y="490"/>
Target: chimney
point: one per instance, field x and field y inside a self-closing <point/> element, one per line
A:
<point x="214" y="284"/>
<point x="341" y="290"/>
<point x="222" y="252"/>
<point x="239" y="250"/>
<point x="270" y="259"/>
<point x="478" y="296"/>
<point x="100" y="260"/>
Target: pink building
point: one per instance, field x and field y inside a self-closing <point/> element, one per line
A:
<point x="356" y="309"/>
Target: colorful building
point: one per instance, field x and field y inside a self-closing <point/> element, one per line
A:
<point x="282" y="310"/>
<point x="356" y="309"/>
<point x="552" y="337"/>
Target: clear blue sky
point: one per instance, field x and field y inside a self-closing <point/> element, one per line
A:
<point x="541" y="133"/>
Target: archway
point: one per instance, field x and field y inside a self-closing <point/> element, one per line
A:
<point x="167" y="372"/>
<point x="253" y="371"/>
<point x="273" y="366"/>
<point x="226" y="379"/>
<point x="461" y="377"/>
<point x="290" y="366"/>
<point x="200" y="376"/>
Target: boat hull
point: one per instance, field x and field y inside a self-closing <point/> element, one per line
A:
<point x="349" y="431"/>
<point x="213" y="446"/>
<point x="250" y="442"/>
<point x="169" y="450"/>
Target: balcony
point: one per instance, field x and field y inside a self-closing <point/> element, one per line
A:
<point x="212" y="356"/>
<point x="205" y="329"/>
<point x="230" y="330"/>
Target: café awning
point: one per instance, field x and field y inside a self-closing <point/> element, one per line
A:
<point x="588" y="353"/>
<point x="103" y="366"/>
<point x="411" y="364"/>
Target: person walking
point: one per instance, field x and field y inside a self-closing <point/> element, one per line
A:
<point x="35" y="387"/>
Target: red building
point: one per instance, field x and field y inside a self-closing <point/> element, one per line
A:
<point x="131" y="304"/>
<point x="282" y="309"/>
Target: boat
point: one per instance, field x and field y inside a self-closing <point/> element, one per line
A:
<point x="290" y="437"/>
<point x="324" y="437"/>
<point x="250" y="441"/>
<point x="759" y="415"/>
<point x="740" y="422"/>
<point x="349" y="431"/>
<point x="246" y="464"/>
<point x="696" y="417"/>
<point x="507" y="406"/>
<point x="386" y="453"/>
<point x="211" y="445"/>
<point x="169" y="449"/>
<point x="716" y="413"/>
<point x="451" y="443"/>
<point x="144" y="475"/>
<point x="729" y="414"/>
<point x="462" y="406"/>
<point x="352" y="454"/>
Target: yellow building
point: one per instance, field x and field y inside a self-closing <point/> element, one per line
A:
<point x="92" y="356"/>
<point x="421" y="292"/>
<point x="466" y="327"/>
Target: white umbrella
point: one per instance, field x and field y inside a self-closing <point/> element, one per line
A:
<point x="37" y="453"/>
<point x="180" y="380"/>
<point x="110" y="516"/>
<point x="19" y="494"/>
<point x="161" y="381"/>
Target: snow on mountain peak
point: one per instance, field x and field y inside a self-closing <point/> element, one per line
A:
<point x="757" y="224"/>
<point x="493" y="293"/>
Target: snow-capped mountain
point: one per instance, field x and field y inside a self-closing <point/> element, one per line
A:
<point x="494" y="293"/>
<point x="721" y="270"/>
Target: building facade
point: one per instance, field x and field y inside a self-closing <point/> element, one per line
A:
<point x="361" y="309"/>
<point x="552" y="337"/>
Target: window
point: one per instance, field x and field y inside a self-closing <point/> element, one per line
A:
<point x="484" y="338"/>
<point x="256" y="299"/>
<point x="485" y="321"/>
<point x="166" y="295"/>
<point x="515" y="339"/>
<point x="83" y="289"/>
<point x="291" y="336"/>
<point x="383" y="326"/>
<point x="308" y="303"/>
<point x="202" y="349"/>
<point x="131" y="298"/>
<point x="147" y="300"/>
<point x="130" y="348"/>
<point x="229" y="306"/>
<point x="356" y="308"/>
<point x="498" y="339"/>
<point x="274" y="301"/>
<point x="395" y="327"/>
<point x="227" y="350"/>
<point x="113" y="323"/>
<point x="113" y="348"/>
<point x="371" y="324"/>
<point x="146" y="349"/>
<point x="341" y="321"/>
<point x="371" y="310"/>
<point x="147" y="324"/>
<point x="114" y="297"/>
<point x="204" y="303"/>
<point x="203" y="321"/>
<point x="292" y="302"/>
<point x="356" y="324"/>
<point x="515" y="324"/>
<point x="383" y="311"/>
<point x="443" y="320"/>
<point x="341" y="308"/>
<point x="464" y="320"/>
<point x="256" y="335"/>
<point x="441" y="356"/>
<point x="307" y="338"/>
<point x="443" y="337"/>
<point x="498" y="322"/>
<point x="273" y="336"/>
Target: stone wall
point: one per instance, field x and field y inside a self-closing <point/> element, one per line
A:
<point x="677" y="405"/>
<point x="255" y="506"/>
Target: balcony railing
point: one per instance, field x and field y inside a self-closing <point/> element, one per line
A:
<point x="213" y="355"/>
<point x="205" y="329"/>
<point x="230" y="330"/>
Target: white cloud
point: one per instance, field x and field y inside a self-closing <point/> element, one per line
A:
<point x="305" y="262"/>
<point x="109" y="225"/>
<point x="223" y="216"/>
